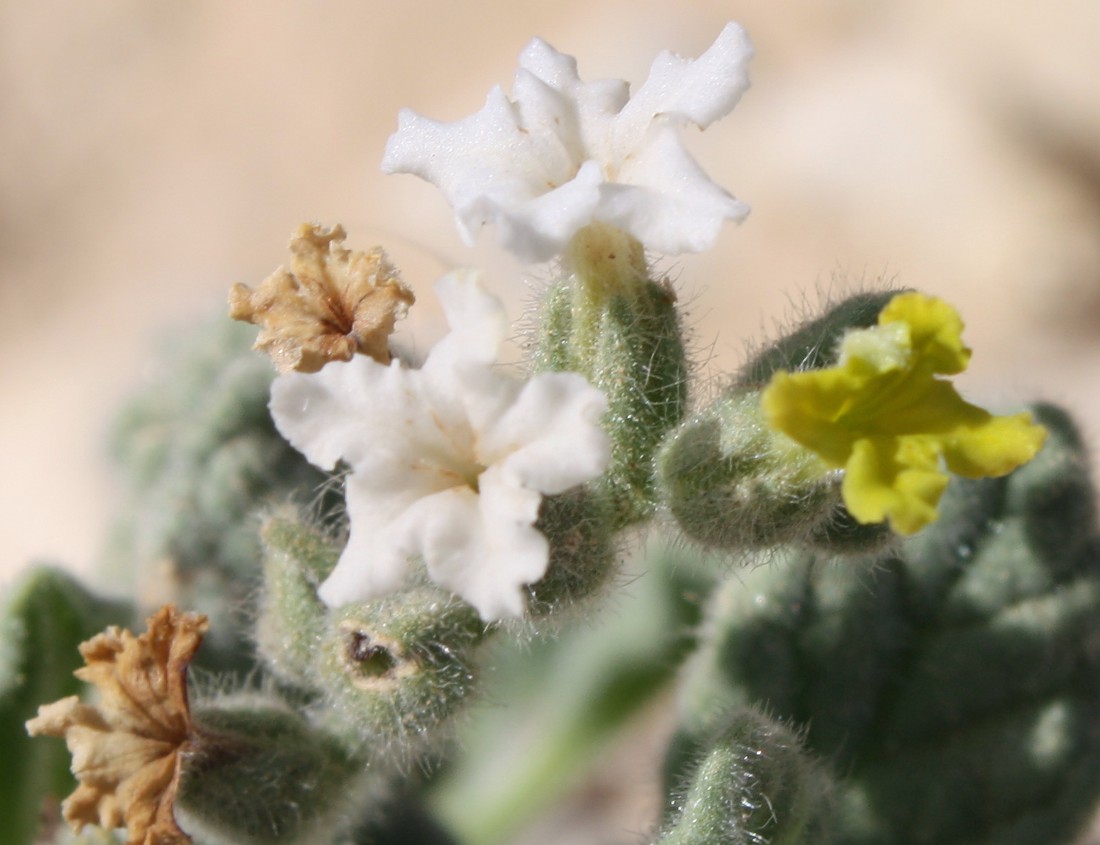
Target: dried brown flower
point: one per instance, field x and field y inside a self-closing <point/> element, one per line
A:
<point x="128" y="748"/>
<point x="331" y="304"/>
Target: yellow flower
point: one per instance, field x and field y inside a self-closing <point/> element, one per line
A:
<point x="885" y="417"/>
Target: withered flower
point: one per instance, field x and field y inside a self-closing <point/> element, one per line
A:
<point x="127" y="749"/>
<point x="331" y="304"/>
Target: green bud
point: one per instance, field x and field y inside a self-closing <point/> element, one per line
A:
<point x="395" y="672"/>
<point x="257" y="774"/>
<point x="814" y="344"/>
<point x="732" y="482"/>
<point x="753" y="783"/>
<point x="583" y="557"/>
<point x="608" y="320"/>
<point x="291" y="619"/>
<point x="391" y="674"/>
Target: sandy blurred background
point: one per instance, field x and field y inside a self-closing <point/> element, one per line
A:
<point x="154" y="153"/>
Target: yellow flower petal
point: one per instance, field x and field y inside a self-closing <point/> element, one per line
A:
<point x="884" y="416"/>
<point x="807" y="407"/>
<point x="935" y="331"/>
<point x="894" y="478"/>
<point x="994" y="448"/>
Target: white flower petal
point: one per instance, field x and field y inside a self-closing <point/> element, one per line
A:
<point x="482" y="546"/>
<point x="350" y="410"/>
<point x="698" y="91"/>
<point x="562" y="153"/>
<point x="371" y="565"/>
<point x="543" y="95"/>
<point x="322" y="414"/>
<point x="477" y="320"/>
<point x="666" y="200"/>
<point x="487" y="154"/>
<point x="449" y="462"/>
<point x="536" y="230"/>
<point x="583" y="117"/>
<point x="556" y="69"/>
<point x="556" y="414"/>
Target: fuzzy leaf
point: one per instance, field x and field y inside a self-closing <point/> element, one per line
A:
<point x="954" y="683"/>
<point x="47" y="615"/>
<point x="259" y="774"/>
<point x="202" y="457"/>
<point x="568" y="697"/>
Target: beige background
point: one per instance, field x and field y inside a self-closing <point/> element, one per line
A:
<point x="153" y="152"/>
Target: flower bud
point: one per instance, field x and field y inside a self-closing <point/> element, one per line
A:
<point x="732" y="482"/>
<point x="258" y="774"/>
<point x="396" y="671"/>
<point x="753" y="782"/>
<point x="607" y="319"/>
<point x="296" y="558"/>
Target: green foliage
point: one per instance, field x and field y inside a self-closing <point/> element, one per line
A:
<point x="731" y="482"/>
<point x="45" y="616"/>
<point x="753" y="783"/>
<point x="402" y="821"/>
<point x="813" y="345"/>
<point x="554" y="705"/>
<point x="956" y="684"/>
<point x="628" y="344"/>
<point x="202" y="457"/>
<point x="258" y="774"/>
<point x="583" y="554"/>
<point x="290" y="618"/>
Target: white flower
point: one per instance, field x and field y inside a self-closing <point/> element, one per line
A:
<point x="449" y="462"/>
<point x="562" y="153"/>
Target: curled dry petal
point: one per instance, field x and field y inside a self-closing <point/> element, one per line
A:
<point x="127" y="749"/>
<point x="331" y="304"/>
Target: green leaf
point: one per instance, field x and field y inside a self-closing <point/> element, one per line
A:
<point x="258" y="774"/>
<point x="46" y="616"/>
<point x="955" y="684"/>
<point x="202" y="458"/>
<point x="567" y="699"/>
<point x="752" y="783"/>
